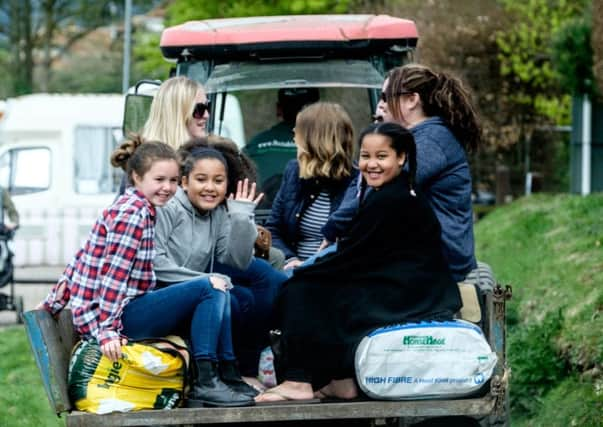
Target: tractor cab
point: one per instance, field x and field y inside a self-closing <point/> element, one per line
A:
<point x="258" y="72"/>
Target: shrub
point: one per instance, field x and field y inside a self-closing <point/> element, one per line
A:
<point x="536" y="367"/>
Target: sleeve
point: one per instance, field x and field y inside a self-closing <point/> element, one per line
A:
<point x="432" y="160"/>
<point x="276" y="221"/>
<point x="363" y="239"/>
<point x="237" y="235"/>
<point x="58" y="297"/>
<point x="340" y="219"/>
<point x="382" y="214"/>
<point x="166" y="269"/>
<point x="124" y="237"/>
<point x="364" y="225"/>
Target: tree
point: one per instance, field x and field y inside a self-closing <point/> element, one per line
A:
<point x="525" y="55"/>
<point x="150" y="63"/>
<point x="17" y="29"/>
<point x="573" y="56"/>
<point x="502" y="49"/>
<point x="64" y="22"/>
<point x="530" y="82"/>
<point x="185" y="10"/>
<point x="597" y="43"/>
<point x="41" y="31"/>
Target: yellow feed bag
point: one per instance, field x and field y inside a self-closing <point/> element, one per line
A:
<point x="143" y="378"/>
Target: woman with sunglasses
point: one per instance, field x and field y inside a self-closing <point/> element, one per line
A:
<point x="179" y="112"/>
<point x="438" y="111"/>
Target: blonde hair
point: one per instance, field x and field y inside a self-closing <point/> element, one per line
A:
<point x="325" y="139"/>
<point x="171" y="110"/>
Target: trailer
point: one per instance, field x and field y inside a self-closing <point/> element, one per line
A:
<point x="54" y="161"/>
<point x="243" y="63"/>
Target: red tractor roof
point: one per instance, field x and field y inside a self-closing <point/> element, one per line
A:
<point x="254" y="36"/>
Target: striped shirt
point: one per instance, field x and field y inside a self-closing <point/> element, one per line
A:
<point x="311" y="222"/>
<point x="114" y="266"/>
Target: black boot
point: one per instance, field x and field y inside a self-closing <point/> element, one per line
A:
<point x="209" y="390"/>
<point x="230" y="375"/>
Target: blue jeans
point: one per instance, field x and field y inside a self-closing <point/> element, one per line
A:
<point x="253" y="295"/>
<point x="193" y="309"/>
<point x="325" y="251"/>
<point x="311" y="260"/>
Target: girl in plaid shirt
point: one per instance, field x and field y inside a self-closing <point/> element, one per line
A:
<point x="111" y="286"/>
<point x="115" y="265"/>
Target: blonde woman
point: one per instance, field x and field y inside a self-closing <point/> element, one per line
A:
<point x="314" y="184"/>
<point x="179" y="112"/>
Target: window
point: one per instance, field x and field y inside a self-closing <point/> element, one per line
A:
<point x="251" y="118"/>
<point x="235" y="76"/>
<point x="25" y="170"/>
<point x="92" y="151"/>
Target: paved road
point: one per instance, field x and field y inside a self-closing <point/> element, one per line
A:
<point x="32" y="292"/>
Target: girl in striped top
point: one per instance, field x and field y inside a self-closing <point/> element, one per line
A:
<point x="314" y="184"/>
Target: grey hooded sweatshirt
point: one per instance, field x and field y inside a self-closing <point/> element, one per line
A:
<point x="188" y="243"/>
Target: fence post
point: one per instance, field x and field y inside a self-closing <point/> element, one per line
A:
<point x="503" y="184"/>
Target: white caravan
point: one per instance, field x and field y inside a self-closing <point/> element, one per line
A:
<point x="54" y="160"/>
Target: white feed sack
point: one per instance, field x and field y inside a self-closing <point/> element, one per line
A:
<point x="424" y="360"/>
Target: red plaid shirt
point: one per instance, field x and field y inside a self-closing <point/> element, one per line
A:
<point x="114" y="266"/>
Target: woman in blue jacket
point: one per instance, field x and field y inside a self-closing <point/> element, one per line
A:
<point x="438" y="111"/>
<point x="314" y="184"/>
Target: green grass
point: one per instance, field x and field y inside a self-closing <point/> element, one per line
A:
<point x="550" y="249"/>
<point x="23" y="401"/>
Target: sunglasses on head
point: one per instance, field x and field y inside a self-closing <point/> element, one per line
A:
<point x="200" y="109"/>
<point x="402" y="92"/>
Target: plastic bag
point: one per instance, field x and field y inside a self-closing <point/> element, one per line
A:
<point x="145" y="377"/>
<point x="266" y="374"/>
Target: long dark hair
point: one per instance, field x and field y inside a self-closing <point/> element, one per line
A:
<point x="401" y="141"/>
<point x="441" y="95"/>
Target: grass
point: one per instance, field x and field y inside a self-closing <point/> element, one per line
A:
<point x="23" y="401"/>
<point x="550" y="249"/>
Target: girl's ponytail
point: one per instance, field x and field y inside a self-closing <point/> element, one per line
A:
<point x="137" y="155"/>
<point x="454" y="104"/>
<point x="441" y="95"/>
<point x="123" y="153"/>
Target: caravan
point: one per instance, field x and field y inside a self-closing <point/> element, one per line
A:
<point x="54" y="160"/>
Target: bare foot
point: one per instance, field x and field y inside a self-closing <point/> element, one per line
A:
<point x="341" y="389"/>
<point x="288" y="390"/>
